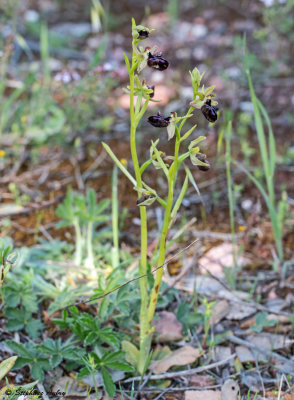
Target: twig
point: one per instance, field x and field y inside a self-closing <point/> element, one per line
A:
<point x="42" y="391"/>
<point x="78" y="175"/>
<point x="131" y="280"/>
<point x="192" y="371"/>
<point x="94" y="165"/>
<point x="162" y="393"/>
<point x="262" y="350"/>
<point x="143" y="384"/>
<point x="36" y="207"/>
<point x="178" y="389"/>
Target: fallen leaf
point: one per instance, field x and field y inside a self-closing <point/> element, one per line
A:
<point x="183" y="356"/>
<point x="240" y="311"/>
<point x="262" y="341"/>
<point x="219" y="310"/>
<point x="222" y="353"/>
<point x="219" y="257"/>
<point x="201" y="380"/>
<point x="203" y="394"/>
<point x="70" y="386"/>
<point x="168" y="327"/>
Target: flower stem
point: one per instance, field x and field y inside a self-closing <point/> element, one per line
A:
<point x="164" y="232"/>
<point x="79" y="242"/>
<point x="145" y="336"/>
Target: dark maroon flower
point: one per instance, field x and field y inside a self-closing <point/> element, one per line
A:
<point x="143" y="198"/>
<point x="209" y="111"/>
<point x="157" y="62"/>
<point x="166" y="160"/>
<point x="151" y="95"/>
<point x="143" y="34"/>
<point x="158" y="120"/>
<point x="202" y="157"/>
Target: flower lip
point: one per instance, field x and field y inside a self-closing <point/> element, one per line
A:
<point x="151" y="95"/>
<point x="166" y="159"/>
<point x="158" y="120"/>
<point x="143" y="34"/>
<point x="209" y="111"/>
<point x="202" y="157"/>
<point x="156" y="61"/>
<point x="143" y="198"/>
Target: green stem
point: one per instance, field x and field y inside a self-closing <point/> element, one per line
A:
<point x="90" y="256"/>
<point x="115" y="233"/>
<point x="79" y="242"/>
<point x="231" y="198"/>
<point x="164" y="232"/>
<point x="145" y="334"/>
<point x="95" y="385"/>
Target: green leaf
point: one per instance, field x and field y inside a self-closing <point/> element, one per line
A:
<point x="102" y="206"/>
<point x="49" y="346"/>
<point x="103" y="310"/>
<point x="188" y="133"/>
<point x="55" y="360"/>
<point x="180" y="198"/>
<point x="120" y="366"/>
<point x="33" y="327"/>
<point x="14" y="325"/>
<point x="119" y="164"/>
<point x="21" y="362"/>
<point x="111" y="339"/>
<point x="18" y="349"/>
<point x="74" y="353"/>
<point x="44" y="363"/>
<point x="192" y="180"/>
<point x="159" y="159"/>
<point x="37" y="373"/>
<point x="108" y="382"/>
<point x="83" y="373"/>
<point x="111" y="356"/>
<point x="91" y="338"/>
<point x="12" y="299"/>
<point x="131" y="352"/>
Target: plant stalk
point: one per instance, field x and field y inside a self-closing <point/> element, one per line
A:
<point x="145" y="334"/>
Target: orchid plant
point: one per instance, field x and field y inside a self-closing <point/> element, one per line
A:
<point x="140" y="95"/>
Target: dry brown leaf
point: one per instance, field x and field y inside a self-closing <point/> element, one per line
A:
<point x="168" y="327"/>
<point x="219" y="310"/>
<point x="222" y="353"/>
<point x="219" y="257"/>
<point x="265" y="341"/>
<point x="201" y="380"/>
<point x="203" y="394"/>
<point x="183" y="356"/>
<point x="240" y="311"/>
